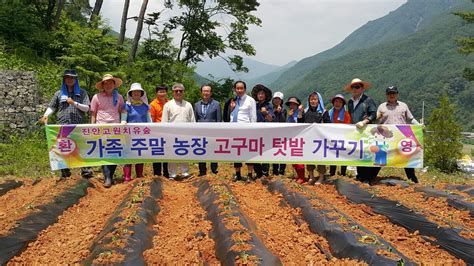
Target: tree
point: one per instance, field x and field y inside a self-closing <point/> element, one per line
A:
<point x="59" y="10"/>
<point x="467" y="44"/>
<point x="443" y="142"/>
<point x="90" y="50"/>
<point x="123" y="24"/>
<point x="96" y="10"/>
<point x="201" y="24"/>
<point x="138" y="33"/>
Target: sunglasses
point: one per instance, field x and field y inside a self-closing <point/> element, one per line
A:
<point x="178" y="91"/>
<point x="356" y="87"/>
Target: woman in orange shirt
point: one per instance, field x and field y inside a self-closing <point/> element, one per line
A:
<point x="340" y="115"/>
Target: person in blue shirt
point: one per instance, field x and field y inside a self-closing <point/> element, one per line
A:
<point x="135" y="110"/>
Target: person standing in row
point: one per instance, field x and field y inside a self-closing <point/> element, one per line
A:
<point x="71" y="103"/>
<point x="394" y="111"/>
<point x="135" y="110"/>
<point x="339" y="115"/>
<point x="295" y="106"/>
<point x="156" y="111"/>
<point x="279" y="117"/>
<point x="207" y="110"/>
<point x="241" y="109"/>
<point x="178" y="110"/>
<point x="314" y="113"/>
<point x="106" y="107"/>
<point x="363" y="111"/>
<point x="262" y="96"/>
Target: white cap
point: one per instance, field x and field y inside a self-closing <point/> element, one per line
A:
<point x="278" y="95"/>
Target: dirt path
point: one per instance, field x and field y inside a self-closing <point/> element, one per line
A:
<point x="18" y="203"/>
<point x="68" y="240"/>
<point x="280" y="227"/>
<point x="182" y="229"/>
<point x="411" y="245"/>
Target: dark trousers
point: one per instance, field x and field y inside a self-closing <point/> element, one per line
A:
<point x="261" y="169"/>
<point x="410" y="172"/>
<point x="109" y="170"/>
<point x="365" y="173"/>
<point x="240" y="164"/>
<point x="157" y="169"/>
<point x="86" y="172"/>
<point x="65" y="172"/>
<point x="203" y="168"/>
<point x="332" y="170"/>
<point x="279" y="168"/>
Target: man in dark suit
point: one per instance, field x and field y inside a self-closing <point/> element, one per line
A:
<point x="207" y="110"/>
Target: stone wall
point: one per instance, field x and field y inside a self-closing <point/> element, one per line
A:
<point x="21" y="103"/>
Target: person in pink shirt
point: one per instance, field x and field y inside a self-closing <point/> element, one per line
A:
<point x="106" y="107"/>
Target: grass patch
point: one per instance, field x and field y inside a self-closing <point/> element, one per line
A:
<point x="25" y="156"/>
<point x="432" y="176"/>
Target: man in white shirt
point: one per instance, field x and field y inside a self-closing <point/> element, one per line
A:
<point x="242" y="109"/>
<point x="396" y="112"/>
<point x="178" y="110"/>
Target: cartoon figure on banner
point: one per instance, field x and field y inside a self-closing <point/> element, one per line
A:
<point x="380" y="144"/>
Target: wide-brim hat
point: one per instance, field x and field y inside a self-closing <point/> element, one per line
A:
<point x="365" y="84"/>
<point x="260" y="87"/>
<point x="100" y="85"/>
<point x="293" y="99"/>
<point x="339" y="96"/>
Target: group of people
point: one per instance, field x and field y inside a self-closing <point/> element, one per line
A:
<point x="71" y="103"/>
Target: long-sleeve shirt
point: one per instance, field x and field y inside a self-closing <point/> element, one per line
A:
<point x="280" y="117"/>
<point x="68" y="113"/>
<point x="313" y="116"/>
<point x="364" y="108"/>
<point x="174" y="111"/>
<point x="260" y="115"/>
<point x="247" y="110"/>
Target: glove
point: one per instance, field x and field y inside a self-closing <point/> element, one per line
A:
<point x="360" y="124"/>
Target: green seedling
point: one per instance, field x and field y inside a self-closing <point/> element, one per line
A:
<point x="400" y="262"/>
<point x="354" y="227"/>
<point x="244" y="256"/>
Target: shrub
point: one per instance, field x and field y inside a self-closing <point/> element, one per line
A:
<point x="443" y="142"/>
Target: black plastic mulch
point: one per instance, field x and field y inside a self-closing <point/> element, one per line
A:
<point x="223" y="236"/>
<point x="343" y="243"/>
<point x="468" y="189"/>
<point x="29" y="227"/>
<point x="139" y="237"/>
<point x="446" y="238"/>
<point x="9" y="185"/>
<point x="453" y="200"/>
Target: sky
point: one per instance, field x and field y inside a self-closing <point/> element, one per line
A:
<point x="290" y="30"/>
